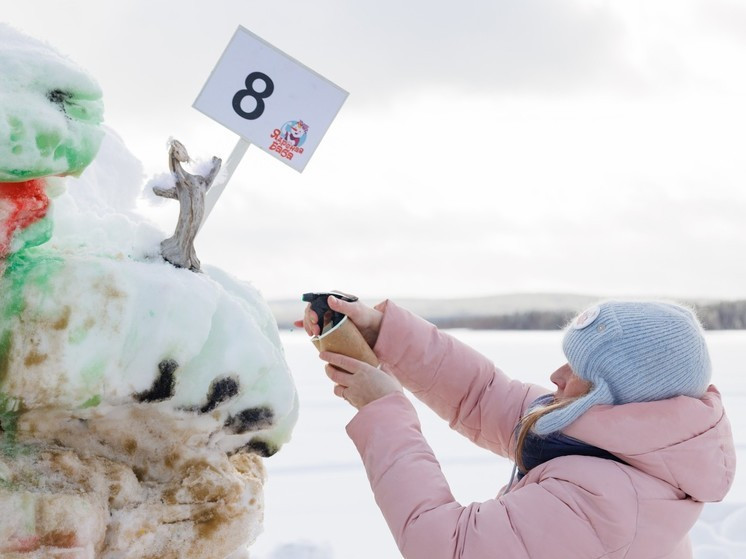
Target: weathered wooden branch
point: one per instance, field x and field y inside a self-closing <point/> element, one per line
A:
<point x="166" y="192"/>
<point x="190" y="191"/>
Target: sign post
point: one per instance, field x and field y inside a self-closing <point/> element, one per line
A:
<point x="224" y="175"/>
<point x="270" y="100"/>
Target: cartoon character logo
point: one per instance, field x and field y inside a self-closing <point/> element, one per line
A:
<point x="286" y="141"/>
<point x="295" y="132"/>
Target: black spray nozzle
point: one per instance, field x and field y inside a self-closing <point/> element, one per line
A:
<point x="320" y="305"/>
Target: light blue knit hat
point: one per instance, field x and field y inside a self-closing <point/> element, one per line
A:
<point x="632" y="351"/>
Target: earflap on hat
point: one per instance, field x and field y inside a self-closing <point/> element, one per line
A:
<point x="559" y="419"/>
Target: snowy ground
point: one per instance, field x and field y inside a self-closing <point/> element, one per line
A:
<point x="318" y="502"/>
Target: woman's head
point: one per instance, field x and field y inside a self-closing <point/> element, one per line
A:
<point x="632" y="351"/>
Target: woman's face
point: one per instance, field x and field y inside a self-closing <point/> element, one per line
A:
<point x="569" y="385"/>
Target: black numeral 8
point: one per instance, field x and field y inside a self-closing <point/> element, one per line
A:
<point x="259" y="96"/>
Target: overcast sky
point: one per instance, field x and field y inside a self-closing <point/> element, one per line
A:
<point x="487" y="146"/>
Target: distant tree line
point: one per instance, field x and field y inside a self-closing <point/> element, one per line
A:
<point x="529" y="320"/>
<point x="729" y="315"/>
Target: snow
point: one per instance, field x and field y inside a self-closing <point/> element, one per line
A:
<point x="49" y="110"/>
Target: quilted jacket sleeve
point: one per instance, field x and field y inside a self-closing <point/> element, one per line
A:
<point x="457" y="382"/>
<point x="542" y="520"/>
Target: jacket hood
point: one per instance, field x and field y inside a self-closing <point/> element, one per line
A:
<point x="686" y="442"/>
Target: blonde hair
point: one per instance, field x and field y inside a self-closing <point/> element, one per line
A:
<point x="528" y="421"/>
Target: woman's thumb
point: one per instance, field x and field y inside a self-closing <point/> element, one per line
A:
<point x="340" y="305"/>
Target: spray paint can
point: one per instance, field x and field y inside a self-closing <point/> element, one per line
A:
<point x="337" y="332"/>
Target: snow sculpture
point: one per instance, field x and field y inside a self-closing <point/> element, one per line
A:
<point x="132" y="425"/>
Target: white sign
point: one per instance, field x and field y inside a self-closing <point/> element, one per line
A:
<point x="270" y="99"/>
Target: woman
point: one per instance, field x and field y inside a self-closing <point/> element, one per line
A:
<point x="616" y="463"/>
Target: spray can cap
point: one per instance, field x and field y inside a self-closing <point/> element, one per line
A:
<point x="320" y="305"/>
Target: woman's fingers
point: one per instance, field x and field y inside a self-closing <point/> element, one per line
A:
<point x="356" y="381"/>
<point x="367" y="320"/>
<point x="355" y="309"/>
<point x="337" y="375"/>
<point x="339" y="391"/>
<point x="345" y="307"/>
<point x="309" y="322"/>
<point x="342" y="381"/>
<point x="341" y="370"/>
<point x="349" y="364"/>
<point x="312" y="322"/>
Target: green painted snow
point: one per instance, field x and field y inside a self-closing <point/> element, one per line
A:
<point x="91" y="402"/>
<point x="27" y="268"/>
<point x="35" y="234"/>
<point x="93" y="372"/>
<point x="77" y="335"/>
<point x="6" y="342"/>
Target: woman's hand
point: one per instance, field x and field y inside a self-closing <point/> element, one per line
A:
<point x="365" y="318"/>
<point x="356" y="381"/>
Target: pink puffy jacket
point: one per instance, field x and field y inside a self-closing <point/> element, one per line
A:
<point x="679" y="454"/>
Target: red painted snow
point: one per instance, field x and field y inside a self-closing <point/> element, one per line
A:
<point x="21" y="204"/>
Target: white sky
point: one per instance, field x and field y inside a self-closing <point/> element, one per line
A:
<point x="487" y="146"/>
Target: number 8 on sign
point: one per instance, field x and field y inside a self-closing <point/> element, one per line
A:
<point x="258" y="96"/>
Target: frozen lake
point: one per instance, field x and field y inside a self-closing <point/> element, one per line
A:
<point x="319" y="504"/>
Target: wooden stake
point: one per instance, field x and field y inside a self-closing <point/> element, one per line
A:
<point x="225" y="174"/>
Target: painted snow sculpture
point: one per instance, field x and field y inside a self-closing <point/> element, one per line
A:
<point x="137" y="399"/>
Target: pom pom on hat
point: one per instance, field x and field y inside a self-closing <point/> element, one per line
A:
<point x="632" y="352"/>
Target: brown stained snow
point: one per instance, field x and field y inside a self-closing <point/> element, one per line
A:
<point x="64" y="320"/>
<point x="190" y="502"/>
<point x="34" y="358"/>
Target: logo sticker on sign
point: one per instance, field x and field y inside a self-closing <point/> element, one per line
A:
<point x="270" y="99"/>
